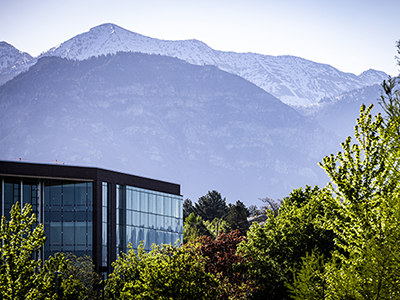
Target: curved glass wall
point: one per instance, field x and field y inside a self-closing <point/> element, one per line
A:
<point x="148" y="216"/>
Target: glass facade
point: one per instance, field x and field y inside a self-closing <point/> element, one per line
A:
<point x="151" y="217"/>
<point x="65" y="204"/>
<point x="105" y="221"/>
<point x="68" y="210"/>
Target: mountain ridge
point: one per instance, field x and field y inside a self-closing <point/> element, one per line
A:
<point x="150" y="114"/>
<point x="291" y="79"/>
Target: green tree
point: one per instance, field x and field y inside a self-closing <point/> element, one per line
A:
<point x="188" y="208"/>
<point x="23" y="275"/>
<point x="19" y="246"/>
<point x="211" y="206"/>
<point x="79" y="278"/>
<point x="273" y="251"/>
<point x="194" y="228"/>
<point x="364" y="214"/>
<point x="237" y="217"/>
<point x="166" y="272"/>
<point x="216" y="226"/>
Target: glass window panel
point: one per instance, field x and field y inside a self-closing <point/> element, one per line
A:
<point x="80" y="194"/>
<point x="80" y="216"/>
<point x="144" y="202"/>
<point x="180" y="208"/>
<point x="136" y="200"/>
<point x="104" y="194"/>
<point x="68" y="233"/>
<point x="79" y="248"/>
<point x="27" y="193"/>
<point x="146" y="239"/>
<point x="133" y="235"/>
<point x="144" y="220"/>
<point x="55" y="216"/>
<point x="55" y="195"/>
<point x="89" y="194"/>
<point x="104" y="255"/>
<point x="128" y="235"/>
<point x="129" y="199"/>
<point x="180" y="224"/>
<point x="68" y="248"/>
<point x="68" y="216"/>
<point x="167" y="238"/>
<point x="168" y="223"/>
<point x="160" y="222"/>
<point x="152" y="238"/>
<point x="80" y="233"/>
<point x="104" y="234"/>
<point x="167" y="206"/>
<point x="152" y="221"/>
<point x="118" y="237"/>
<point x="104" y="214"/>
<point x="160" y="237"/>
<point x="152" y="200"/>
<point x="136" y="218"/>
<point x="139" y="236"/>
<point x="175" y="224"/>
<point x="55" y="233"/>
<point x="160" y="204"/>
<point x="89" y="234"/>
<point x="68" y="194"/>
<point x="129" y="220"/>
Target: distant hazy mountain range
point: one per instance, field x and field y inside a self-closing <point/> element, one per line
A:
<point x="179" y="111"/>
<point x="291" y="79"/>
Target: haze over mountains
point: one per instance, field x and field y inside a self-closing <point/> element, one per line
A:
<point x="178" y="111"/>
<point x="293" y="80"/>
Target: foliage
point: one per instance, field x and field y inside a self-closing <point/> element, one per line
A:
<point x="271" y="204"/>
<point x="194" y="228"/>
<point x="167" y="272"/>
<point x="211" y="206"/>
<point x="390" y="102"/>
<point x="237" y="217"/>
<point x="254" y="211"/>
<point x="216" y="226"/>
<point x="273" y="251"/>
<point x="23" y="275"/>
<point x="19" y="245"/>
<point x="79" y="278"/>
<point x="365" y="216"/>
<point x="222" y="261"/>
<point x="188" y="208"/>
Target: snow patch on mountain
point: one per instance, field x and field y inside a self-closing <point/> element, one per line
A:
<point x="293" y="80"/>
<point x="10" y="56"/>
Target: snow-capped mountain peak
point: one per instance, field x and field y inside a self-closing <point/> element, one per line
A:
<point x="293" y="80"/>
<point x="10" y="56"/>
<point x="371" y="76"/>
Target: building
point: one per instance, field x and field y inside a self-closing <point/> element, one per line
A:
<point x="93" y="211"/>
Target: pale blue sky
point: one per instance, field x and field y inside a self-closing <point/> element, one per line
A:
<point x="351" y="35"/>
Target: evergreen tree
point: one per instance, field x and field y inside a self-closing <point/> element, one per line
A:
<point x="211" y="206"/>
<point x="187" y="208"/>
<point x="237" y="217"/>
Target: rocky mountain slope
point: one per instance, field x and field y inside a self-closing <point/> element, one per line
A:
<point x="12" y="59"/>
<point x="161" y="117"/>
<point x="293" y="80"/>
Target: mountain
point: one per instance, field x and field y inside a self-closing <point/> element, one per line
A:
<point x="293" y="80"/>
<point x="338" y="114"/>
<point x="161" y="117"/>
<point x="11" y="58"/>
